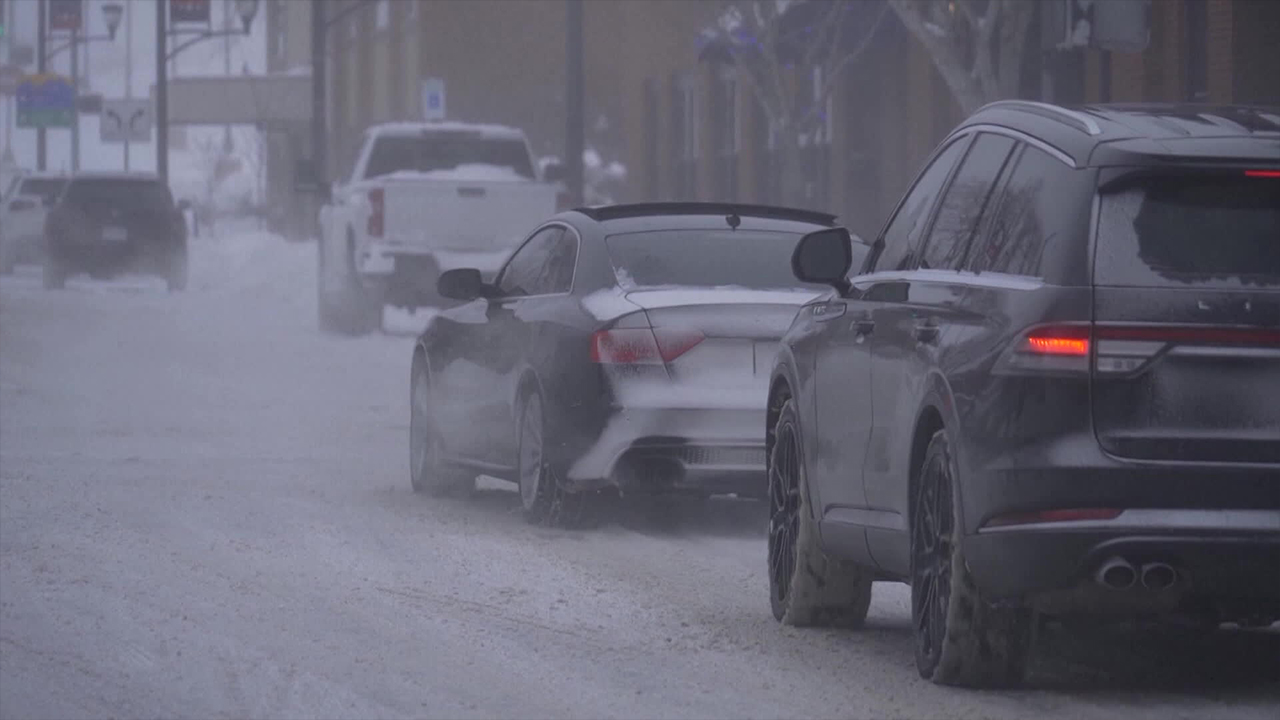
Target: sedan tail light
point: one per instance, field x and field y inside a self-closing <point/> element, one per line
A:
<point x="1053" y="516"/>
<point x="642" y="346"/>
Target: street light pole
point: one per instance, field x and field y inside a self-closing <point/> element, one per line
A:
<point x="75" y="113"/>
<point x="319" y="82"/>
<point x="41" y="32"/>
<point x="574" y="141"/>
<point x="162" y="91"/>
<point x="128" y="76"/>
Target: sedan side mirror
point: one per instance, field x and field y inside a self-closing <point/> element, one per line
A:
<point x="824" y="257"/>
<point x="460" y="284"/>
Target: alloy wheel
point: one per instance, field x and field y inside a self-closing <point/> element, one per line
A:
<point x="784" y="509"/>
<point x="932" y="547"/>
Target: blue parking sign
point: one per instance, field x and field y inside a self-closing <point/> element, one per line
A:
<point x="46" y="101"/>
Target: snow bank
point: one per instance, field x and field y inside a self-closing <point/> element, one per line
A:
<point x="237" y="258"/>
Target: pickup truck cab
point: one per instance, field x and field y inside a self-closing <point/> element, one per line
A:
<point x="421" y="198"/>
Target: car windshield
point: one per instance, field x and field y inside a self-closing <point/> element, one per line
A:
<point x="1180" y="231"/>
<point x="45" y="188"/>
<point x="704" y="258"/>
<point x="119" y="192"/>
<point x="445" y="152"/>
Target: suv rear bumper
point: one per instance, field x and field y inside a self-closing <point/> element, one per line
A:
<point x="1219" y="527"/>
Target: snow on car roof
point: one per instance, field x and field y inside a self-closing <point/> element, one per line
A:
<point x="491" y="131"/>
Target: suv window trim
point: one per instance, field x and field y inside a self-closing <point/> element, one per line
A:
<point x="573" y="278"/>
<point x="877" y="247"/>
<point x="1024" y="137"/>
<point x="995" y="194"/>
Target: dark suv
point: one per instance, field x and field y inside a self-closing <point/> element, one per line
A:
<point x="1052" y="388"/>
<point x="106" y="224"/>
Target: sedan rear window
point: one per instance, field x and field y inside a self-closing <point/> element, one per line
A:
<point x="704" y="258"/>
<point x="1191" y="231"/>
<point x="122" y="193"/>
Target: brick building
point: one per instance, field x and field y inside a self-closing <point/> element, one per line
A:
<point x="688" y="127"/>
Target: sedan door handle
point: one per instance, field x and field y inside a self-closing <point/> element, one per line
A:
<point x="864" y="326"/>
<point x="926" y="332"/>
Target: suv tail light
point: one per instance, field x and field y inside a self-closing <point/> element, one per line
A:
<point x="377" y="204"/>
<point x="1049" y="349"/>
<point x="642" y="346"/>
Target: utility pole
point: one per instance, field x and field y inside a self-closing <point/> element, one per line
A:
<point x="75" y="111"/>
<point x="41" y="32"/>
<point x="226" y="65"/>
<point x="128" y="74"/>
<point x="574" y="141"/>
<point x="162" y="91"/>
<point x="319" y="104"/>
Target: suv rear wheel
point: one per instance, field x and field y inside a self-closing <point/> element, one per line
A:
<point x="806" y="586"/>
<point x="961" y="639"/>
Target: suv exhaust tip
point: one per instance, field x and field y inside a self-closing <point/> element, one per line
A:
<point x="1116" y="574"/>
<point x="1158" y="576"/>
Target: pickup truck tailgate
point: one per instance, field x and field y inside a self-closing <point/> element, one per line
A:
<point x="462" y="215"/>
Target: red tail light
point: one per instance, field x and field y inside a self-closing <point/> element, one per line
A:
<point x="377" y="204"/>
<point x="642" y="346"/>
<point x="1054" y="516"/>
<point x="1262" y="173"/>
<point x="1072" y="340"/>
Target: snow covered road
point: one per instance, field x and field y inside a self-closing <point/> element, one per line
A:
<point x="205" y="512"/>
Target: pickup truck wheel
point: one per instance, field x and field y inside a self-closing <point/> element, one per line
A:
<point x="807" y="587"/>
<point x="961" y="639"/>
<point x="348" y="307"/>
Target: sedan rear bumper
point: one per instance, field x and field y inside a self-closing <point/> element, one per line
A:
<point x="666" y="449"/>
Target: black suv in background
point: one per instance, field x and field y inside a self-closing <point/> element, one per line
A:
<point x="1053" y="387"/>
<point x="107" y="224"/>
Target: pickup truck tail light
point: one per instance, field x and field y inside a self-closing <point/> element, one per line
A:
<point x="377" y="206"/>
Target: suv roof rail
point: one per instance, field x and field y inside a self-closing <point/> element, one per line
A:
<point x="602" y="213"/>
<point x="1078" y="120"/>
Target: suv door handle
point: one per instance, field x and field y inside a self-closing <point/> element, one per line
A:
<point x="862" y="326"/>
<point x="926" y="332"/>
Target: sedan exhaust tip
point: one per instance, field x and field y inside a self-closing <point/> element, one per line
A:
<point x="1116" y="574"/>
<point x="1158" y="576"/>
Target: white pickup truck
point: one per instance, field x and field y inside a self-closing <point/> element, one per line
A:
<point x="422" y="198"/>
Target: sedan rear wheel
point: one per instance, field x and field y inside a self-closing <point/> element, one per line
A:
<point x="806" y="586"/>
<point x="544" y="499"/>
<point x="961" y="639"/>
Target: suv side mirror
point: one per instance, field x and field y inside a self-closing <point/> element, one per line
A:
<point x="825" y="257"/>
<point x="460" y="284"/>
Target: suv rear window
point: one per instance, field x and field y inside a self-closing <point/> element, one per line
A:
<point x="704" y="258"/>
<point x="120" y="192"/>
<point x="1205" y="231"/>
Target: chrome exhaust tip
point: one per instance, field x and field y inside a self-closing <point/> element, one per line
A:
<point x="1158" y="576"/>
<point x="1116" y="574"/>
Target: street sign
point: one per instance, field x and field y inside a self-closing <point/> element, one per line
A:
<point x="189" y="11"/>
<point x="10" y="77"/>
<point x="66" y="14"/>
<point x="125" y="120"/>
<point x="433" y="99"/>
<point x="46" y="101"/>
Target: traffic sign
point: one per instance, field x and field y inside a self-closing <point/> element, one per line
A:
<point x="189" y="11"/>
<point x="46" y="101"/>
<point x="66" y="14"/>
<point x="125" y="120"/>
<point x="433" y="99"/>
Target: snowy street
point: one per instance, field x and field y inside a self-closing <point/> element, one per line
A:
<point x="205" y="511"/>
